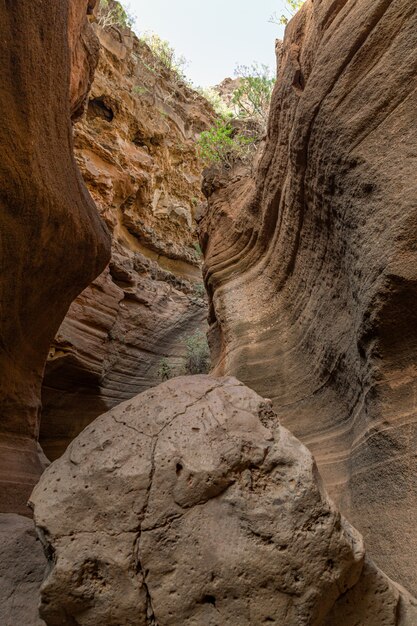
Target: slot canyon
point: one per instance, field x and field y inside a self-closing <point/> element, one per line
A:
<point x="208" y="325"/>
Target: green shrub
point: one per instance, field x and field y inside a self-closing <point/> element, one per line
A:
<point x="198" y="354"/>
<point x="112" y="13"/>
<point x="164" y="370"/>
<point x="139" y="90"/>
<point x="239" y="127"/>
<point x="253" y="95"/>
<point x="222" y="144"/>
<point x="198" y="249"/>
<point x="199" y="290"/>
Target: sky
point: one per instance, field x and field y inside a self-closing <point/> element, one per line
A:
<point x="213" y="35"/>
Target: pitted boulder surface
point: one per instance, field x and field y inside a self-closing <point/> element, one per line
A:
<point x="191" y="505"/>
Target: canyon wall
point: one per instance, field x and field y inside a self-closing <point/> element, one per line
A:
<point x="136" y="149"/>
<point x="52" y="241"/>
<point x="311" y="264"/>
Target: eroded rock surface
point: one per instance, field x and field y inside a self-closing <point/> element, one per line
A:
<point x="191" y="505"/>
<point x="22" y="570"/>
<point x="312" y="263"/>
<point x="84" y="49"/>
<point x="52" y="241"/>
<point x="136" y="150"/>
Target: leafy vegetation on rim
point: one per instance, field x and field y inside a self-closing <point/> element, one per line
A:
<point x="219" y="105"/>
<point x="228" y="140"/>
<point x="291" y="8"/>
<point x="252" y="96"/>
<point x="113" y="14"/>
<point x="166" y="54"/>
<point x="223" y="143"/>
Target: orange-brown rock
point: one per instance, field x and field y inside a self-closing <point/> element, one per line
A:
<point x="84" y="49"/>
<point x="136" y="150"/>
<point x="53" y="242"/>
<point x="312" y="263"/>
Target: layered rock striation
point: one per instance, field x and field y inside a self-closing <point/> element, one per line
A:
<point x="190" y="505"/>
<point x="52" y="241"/>
<point x="311" y="264"/>
<point x="136" y="149"/>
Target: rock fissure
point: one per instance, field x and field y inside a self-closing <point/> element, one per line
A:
<point x="124" y="423"/>
<point x="150" y="613"/>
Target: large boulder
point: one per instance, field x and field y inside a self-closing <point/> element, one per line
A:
<point x="52" y="240"/>
<point x="312" y="267"/>
<point x="191" y="505"/>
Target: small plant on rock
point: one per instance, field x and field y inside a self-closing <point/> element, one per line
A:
<point x="138" y="90"/>
<point x="199" y="290"/>
<point x="224" y="145"/>
<point x="198" y="249"/>
<point x="198" y="354"/>
<point x="164" y="370"/>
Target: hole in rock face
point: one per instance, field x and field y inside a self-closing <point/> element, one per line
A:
<point x="208" y="599"/>
<point x="143" y="139"/>
<point x="97" y="107"/>
<point x="178" y="469"/>
<point x="298" y="81"/>
<point x="139" y="139"/>
<point x="368" y="188"/>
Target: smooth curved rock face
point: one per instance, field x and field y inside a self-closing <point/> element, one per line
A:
<point x="52" y="241"/>
<point x="312" y="263"/>
<point x="136" y="150"/>
<point x="22" y="570"/>
<point x="190" y="505"/>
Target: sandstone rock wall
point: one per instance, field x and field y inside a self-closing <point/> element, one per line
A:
<point x="189" y="504"/>
<point x="52" y="241"/>
<point x="312" y="268"/>
<point x="136" y="149"/>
